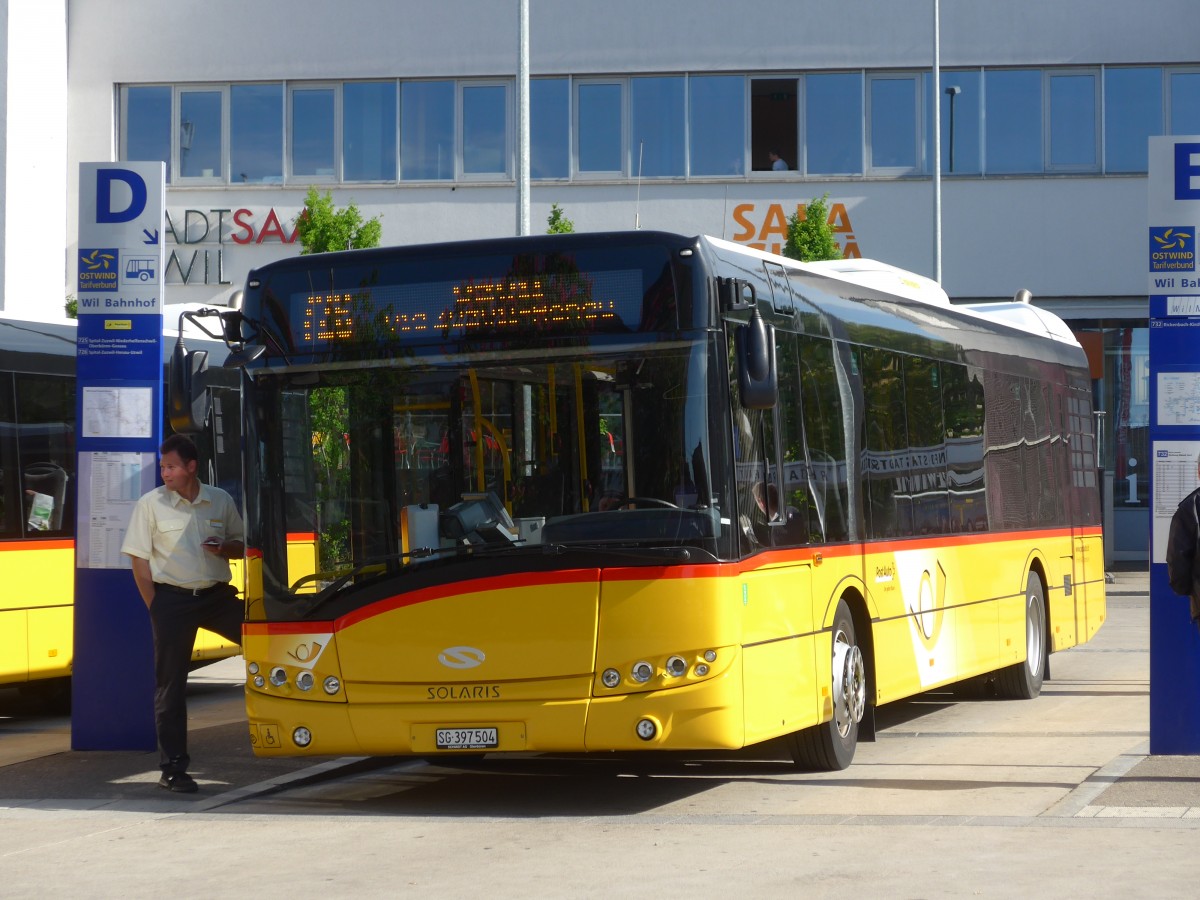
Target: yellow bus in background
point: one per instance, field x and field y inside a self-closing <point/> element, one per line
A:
<point x="639" y="492"/>
<point x="37" y="502"/>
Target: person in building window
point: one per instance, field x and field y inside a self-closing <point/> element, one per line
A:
<point x="180" y="539"/>
<point x="778" y="163"/>
<point x="1183" y="561"/>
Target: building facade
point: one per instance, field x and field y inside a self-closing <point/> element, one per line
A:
<point x="704" y="117"/>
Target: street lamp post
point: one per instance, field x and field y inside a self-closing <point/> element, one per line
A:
<point x="937" y="145"/>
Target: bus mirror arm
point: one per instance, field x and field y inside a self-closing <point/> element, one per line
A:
<point x="735" y="294"/>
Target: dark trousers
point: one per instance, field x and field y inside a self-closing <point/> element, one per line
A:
<point x="175" y="617"/>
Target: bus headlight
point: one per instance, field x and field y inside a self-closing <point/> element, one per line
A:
<point x="676" y="666"/>
<point x="647" y="729"/>
<point x="305" y="681"/>
<point x="259" y="681"/>
<point x="279" y="676"/>
<point x="302" y="736"/>
<point x="610" y="678"/>
<point x="642" y="672"/>
<point x="331" y="685"/>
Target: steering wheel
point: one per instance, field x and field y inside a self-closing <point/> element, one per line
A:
<point x="646" y="501"/>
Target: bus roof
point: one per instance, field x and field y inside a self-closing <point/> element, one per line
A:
<point x="900" y="283"/>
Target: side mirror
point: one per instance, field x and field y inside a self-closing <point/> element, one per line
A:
<point x="758" y="378"/>
<point x="187" y="389"/>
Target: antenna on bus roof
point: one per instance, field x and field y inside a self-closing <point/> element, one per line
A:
<point x="637" y="206"/>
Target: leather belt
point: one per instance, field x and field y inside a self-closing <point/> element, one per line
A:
<point x="193" y="592"/>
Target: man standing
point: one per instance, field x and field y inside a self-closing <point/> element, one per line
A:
<point x="180" y="538"/>
<point x="1183" y="564"/>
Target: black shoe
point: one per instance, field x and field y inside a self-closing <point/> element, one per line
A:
<point x="180" y="783"/>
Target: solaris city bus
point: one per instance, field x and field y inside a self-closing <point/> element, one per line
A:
<point x="621" y="492"/>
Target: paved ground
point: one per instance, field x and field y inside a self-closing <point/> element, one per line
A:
<point x="998" y="807"/>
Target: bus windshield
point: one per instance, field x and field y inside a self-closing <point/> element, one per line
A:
<point x="427" y="464"/>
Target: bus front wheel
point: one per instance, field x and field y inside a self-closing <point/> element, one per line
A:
<point x="830" y="746"/>
<point x="1023" y="681"/>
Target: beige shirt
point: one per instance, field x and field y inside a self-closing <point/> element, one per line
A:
<point x="167" y="530"/>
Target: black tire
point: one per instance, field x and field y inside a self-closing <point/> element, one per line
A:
<point x="830" y="746"/>
<point x="1023" y="681"/>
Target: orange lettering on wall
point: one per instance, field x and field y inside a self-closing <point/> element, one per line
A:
<point x="772" y="235"/>
<point x="775" y="224"/>
<point x="839" y="219"/>
<point x="739" y="215"/>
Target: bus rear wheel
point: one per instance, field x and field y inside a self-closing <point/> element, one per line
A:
<point x="830" y="746"/>
<point x="1023" y="681"/>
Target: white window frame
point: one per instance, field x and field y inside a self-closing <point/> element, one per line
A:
<point x="869" y="167"/>
<point x="460" y="137"/>
<point x="221" y="174"/>
<point x="335" y="176"/>
<point x="1097" y="77"/>
<point x="606" y="175"/>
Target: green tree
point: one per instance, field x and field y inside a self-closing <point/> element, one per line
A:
<point x="71" y="307"/>
<point x="322" y="227"/>
<point x="810" y="236"/>
<point x="557" y="222"/>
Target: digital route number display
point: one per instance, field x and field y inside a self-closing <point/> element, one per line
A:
<point x="570" y="303"/>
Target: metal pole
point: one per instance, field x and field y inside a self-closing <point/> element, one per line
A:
<point x="523" y="119"/>
<point x="937" y="143"/>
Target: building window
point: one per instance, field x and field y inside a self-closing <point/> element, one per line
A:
<point x="549" y="128"/>
<point x="1185" y="102"/>
<point x="658" y="126"/>
<point x="1133" y="112"/>
<point x="961" y="99"/>
<point x="147" y="125"/>
<point x="774" y="120"/>
<point x="1013" y="121"/>
<point x="427" y="130"/>
<point x="833" y="124"/>
<point x="313" y="133"/>
<point x="256" y="133"/>
<point x="893" y="136"/>
<point x="485" y="130"/>
<point x="201" y="135"/>
<point x="369" y="131"/>
<point x="717" y="120"/>
<point x="1072" y="104"/>
<point x="599" y="128"/>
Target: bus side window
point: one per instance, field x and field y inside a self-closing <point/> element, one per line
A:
<point x="962" y="396"/>
<point x="888" y="474"/>
<point x="10" y="502"/>
<point x="45" y="439"/>
<point x="827" y="468"/>
<point x="926" y="435"/>
<point x="798" y="508"/>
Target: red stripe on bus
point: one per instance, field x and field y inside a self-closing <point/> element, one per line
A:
<point x="441" y="591"/>
<point x="37" y="545"/>
<point x="797" y="555"/>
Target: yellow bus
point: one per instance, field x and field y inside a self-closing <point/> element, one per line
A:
<point x="37" y="502"/>
<point x="637" y="492"/>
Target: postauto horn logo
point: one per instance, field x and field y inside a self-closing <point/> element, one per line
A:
<point x="1173" y="249"/>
